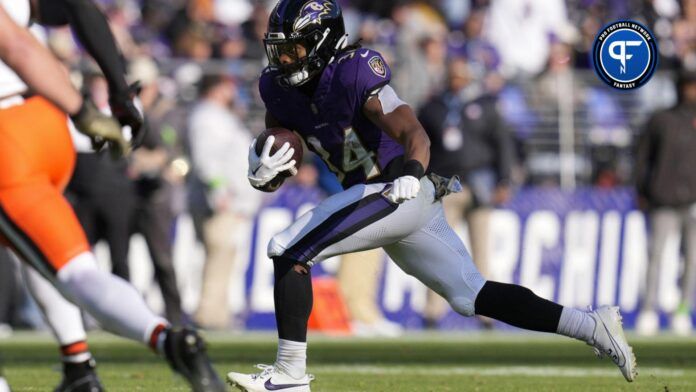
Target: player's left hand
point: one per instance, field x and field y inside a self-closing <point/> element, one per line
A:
<point x="404" y="188"/>
<point x="101" y="129"/>
<point x="125" y="110"/>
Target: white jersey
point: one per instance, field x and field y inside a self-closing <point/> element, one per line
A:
<point x="10" y="83"/>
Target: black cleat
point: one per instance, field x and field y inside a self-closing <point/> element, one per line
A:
<point x="80" y="377"/>
<point x="185" y="352"/>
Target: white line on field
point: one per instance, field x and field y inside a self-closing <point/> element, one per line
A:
<point x="532" y="371"/>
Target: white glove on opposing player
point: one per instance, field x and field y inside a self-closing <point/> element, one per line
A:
<point x="404" y="188"/>
<point x="266" y="167"/>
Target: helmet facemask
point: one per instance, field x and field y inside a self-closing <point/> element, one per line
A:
<point x="308" y="55"/>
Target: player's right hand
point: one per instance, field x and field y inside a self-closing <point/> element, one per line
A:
<point x="404" y="188"/>
<point x="101" y="129"/>
<point x="265" y="167"/>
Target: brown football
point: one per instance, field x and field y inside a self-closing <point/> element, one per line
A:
<point x="282" y="136"/>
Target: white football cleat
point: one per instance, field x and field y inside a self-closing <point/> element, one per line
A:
<point x="608" y="339"/>
<point x="270" y="379"/>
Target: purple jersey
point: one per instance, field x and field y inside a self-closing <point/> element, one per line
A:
<point x="332" y="122"/>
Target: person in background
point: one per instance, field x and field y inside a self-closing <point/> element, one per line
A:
<point x="469" y="139"/>
<point x="666" y="187"/>
<point x="154" y="217"/>
<point x="359" y="277"/>
<point x="100" y="191"/>
<point x="219" y="146"/>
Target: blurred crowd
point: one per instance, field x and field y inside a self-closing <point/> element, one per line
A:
<point x="494" y="83"/>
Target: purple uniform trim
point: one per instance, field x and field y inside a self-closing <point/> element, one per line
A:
<point x="340" y="225"/>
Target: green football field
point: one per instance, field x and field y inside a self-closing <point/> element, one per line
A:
<point x="419" y="362"/>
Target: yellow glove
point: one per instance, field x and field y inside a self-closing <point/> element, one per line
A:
<point x="101" y="129"/>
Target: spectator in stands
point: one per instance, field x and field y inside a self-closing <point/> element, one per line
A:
<point x="420" y="52"/>
<point x="219" y="144"/>
<point x="154" y="217"/>
<point x="666" y="186"/>
<point x="685" y="35"/>
<point x="470" y="139"/>
<point x="520" y="30"/>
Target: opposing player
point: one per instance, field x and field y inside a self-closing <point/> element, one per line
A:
<point x="64" y="318"/>
<point x="339" y="100"/>
<point x="37" y="157"/>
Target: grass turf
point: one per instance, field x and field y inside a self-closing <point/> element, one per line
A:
<point x="473" y="362"/>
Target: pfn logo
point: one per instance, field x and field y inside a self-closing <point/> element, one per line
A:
<point x="625" y="55"/>
<point x="621" y="55"/>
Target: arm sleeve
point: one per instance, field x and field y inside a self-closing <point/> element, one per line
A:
<point x="92" y="29"/>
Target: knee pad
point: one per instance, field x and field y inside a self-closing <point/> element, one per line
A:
<point x="276" y="247"/>
<point x="463" y="299"/>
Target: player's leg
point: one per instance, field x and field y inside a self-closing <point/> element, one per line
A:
<point x="436" y="256"/>
<point x="65" y="321"/>
<point x="359" y="218"/>
<point x="41" y="227"/>
<point x="665" y="227"/>
<point x="155" y="220"/>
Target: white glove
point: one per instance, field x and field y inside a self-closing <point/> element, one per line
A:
<point x="266" y="167"/>
<point x="404" y="188"/>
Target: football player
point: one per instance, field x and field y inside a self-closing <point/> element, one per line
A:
<point x="36" y="221"/>
<point x="338" y="99"/>
<point x="64" y="318"/>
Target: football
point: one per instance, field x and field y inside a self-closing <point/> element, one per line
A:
<point x="282" y="136"/>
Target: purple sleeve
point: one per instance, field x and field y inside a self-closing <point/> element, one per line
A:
<point x="265" y="87"/>
<point x="268" y="90"/>
<point x="372" y="73"/>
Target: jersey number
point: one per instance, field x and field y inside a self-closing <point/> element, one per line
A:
<point x="354" y="156"/>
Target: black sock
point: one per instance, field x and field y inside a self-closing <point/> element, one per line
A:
<point x="293" y="300"/>
<point x="518" y="306"/>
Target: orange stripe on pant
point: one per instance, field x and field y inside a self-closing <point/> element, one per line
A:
<point x="36" y="161"/>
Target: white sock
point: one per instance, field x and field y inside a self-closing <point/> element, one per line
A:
<point x="111" y="300"/>
<point x="576" y="324"/>
<point x="62" y="316"/>
<point x="292" y="358"/>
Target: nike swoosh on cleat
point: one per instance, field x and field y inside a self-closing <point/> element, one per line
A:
<point x="277" y="387"/>
<point x="615" y="344"/>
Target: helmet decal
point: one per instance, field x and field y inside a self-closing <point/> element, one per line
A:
<point x="312" y="13"/>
